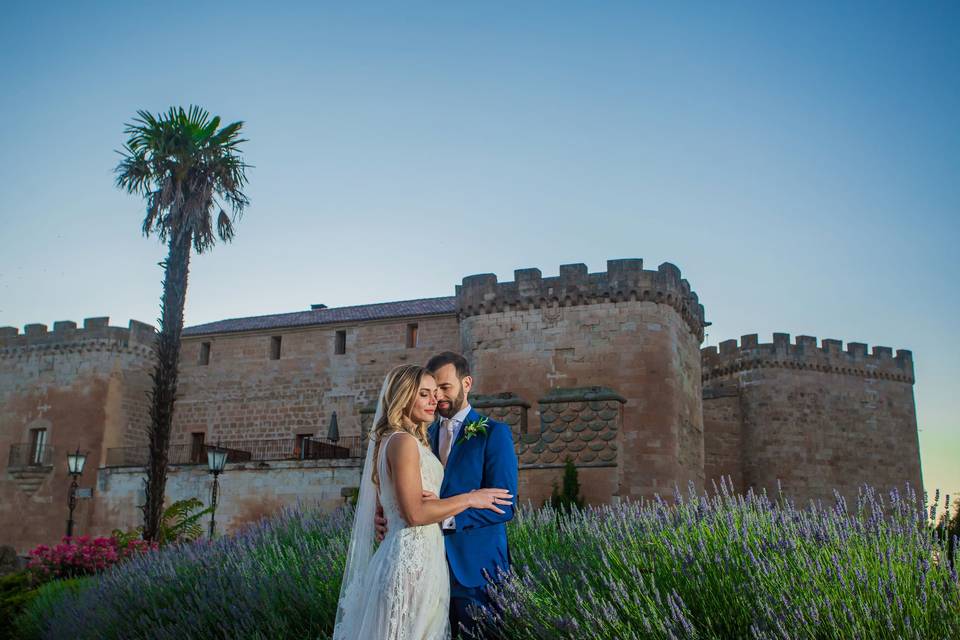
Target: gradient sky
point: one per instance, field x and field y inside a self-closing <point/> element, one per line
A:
<point x="799" y="164"/>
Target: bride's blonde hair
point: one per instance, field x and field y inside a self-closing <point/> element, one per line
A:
<point x="399" y="393"/>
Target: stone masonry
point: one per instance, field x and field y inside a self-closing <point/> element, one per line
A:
<point x="634" y="331"/>
<point x="604" y="369"/>
<point x="85" y="388"/>
<point x="810" y="419"/>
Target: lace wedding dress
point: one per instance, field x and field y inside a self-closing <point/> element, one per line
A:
<point x="401" y="592"/>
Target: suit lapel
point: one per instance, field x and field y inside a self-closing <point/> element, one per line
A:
<point x="457" y="444"/>
<point x="433" y="431"/>
<point x="455" y="450"/>
<point x="470" y="417"/>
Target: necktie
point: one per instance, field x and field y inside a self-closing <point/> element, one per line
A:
<point x="446" y="441"/>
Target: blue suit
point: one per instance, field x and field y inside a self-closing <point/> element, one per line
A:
<point x="479" y="543"/>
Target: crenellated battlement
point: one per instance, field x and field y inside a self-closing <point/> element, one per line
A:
<point x="96" y="334"/>
<point x="804" y="353"/>
<point x="624" y="280"/>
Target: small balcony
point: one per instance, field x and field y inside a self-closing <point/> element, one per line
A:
<point x="30" y="464"/>
<point x="29" y="455"/>
<point x="245" y="451"/>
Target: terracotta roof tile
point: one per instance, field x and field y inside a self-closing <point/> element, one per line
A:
<point x="359" y="313"/>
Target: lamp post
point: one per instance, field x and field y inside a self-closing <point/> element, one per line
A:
<point x="216" y="461"/>
<point x="75" y="462"/>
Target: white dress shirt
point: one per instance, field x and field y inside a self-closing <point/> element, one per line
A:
<point x="457" y="420"/>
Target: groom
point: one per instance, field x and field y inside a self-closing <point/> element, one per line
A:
<point x="476" y="453"/>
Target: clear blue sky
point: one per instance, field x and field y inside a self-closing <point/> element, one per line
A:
<point x="799" y="164"/>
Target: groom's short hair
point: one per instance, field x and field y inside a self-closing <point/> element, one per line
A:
<point x="449" y="357"/>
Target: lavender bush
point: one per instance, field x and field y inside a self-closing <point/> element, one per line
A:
<point x="729" y="566"/>
<point x="277" y="579"/>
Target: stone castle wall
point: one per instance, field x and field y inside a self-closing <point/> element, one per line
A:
<point x="247" y="492"/>
<point x="88" y="388"/>
<point x="603" y="369"/>
<point x="635" y="331"/>
<point x="722" y="435"/>
<point x="242" y="394"/>
<point x="814" y="419"/>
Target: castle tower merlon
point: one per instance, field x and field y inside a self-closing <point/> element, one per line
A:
<point x="905" y="359"/>
<point x="64" y="326"/>
<point x="728" y="347"/>
<point x="96" y="323"/>
<point x="832" y="346"/>
<point x="34" y="330"/>
<point x="624" y="265"/>
<point x="142" y="332"/>
<point x="624" y="280"/>
<point x="671" y="270"/>
<point x="857" y="349"/>
<point x="8" y="332"/>
<point x="857" y="359"/>
<point x="574" y="272"/>
<point x="529" y="282"/>
<point x="781" y="341"/>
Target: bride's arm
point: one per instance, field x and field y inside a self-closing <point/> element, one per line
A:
<point x="403" y="458"/>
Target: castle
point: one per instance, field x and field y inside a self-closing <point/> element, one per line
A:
<point x="603" y="369"/>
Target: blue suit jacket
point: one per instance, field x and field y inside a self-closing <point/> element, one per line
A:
<point x="484" y="461"/>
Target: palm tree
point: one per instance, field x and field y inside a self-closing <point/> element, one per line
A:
<point x="186" y="167"/>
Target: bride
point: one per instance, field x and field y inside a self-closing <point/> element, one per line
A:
<point x="402" y="591"/>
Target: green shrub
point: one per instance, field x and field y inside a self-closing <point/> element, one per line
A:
<point x="180" y="522"/>
<point x="568" y="498"/>
<point x="34" y="619"/>
<point x="16" y="590"/>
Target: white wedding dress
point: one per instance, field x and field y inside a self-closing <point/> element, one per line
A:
<point x="402" y="592"/>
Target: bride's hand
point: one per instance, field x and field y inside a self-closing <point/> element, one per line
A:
<point x="489" y="499"/>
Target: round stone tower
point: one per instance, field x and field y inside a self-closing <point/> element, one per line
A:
<point x="635" y="332"/>
<point x="810" y="419"/>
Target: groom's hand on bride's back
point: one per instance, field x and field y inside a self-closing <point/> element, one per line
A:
<point x="380" y="523"/>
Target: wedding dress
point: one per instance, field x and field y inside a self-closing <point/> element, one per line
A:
<point x="402" y="591"/>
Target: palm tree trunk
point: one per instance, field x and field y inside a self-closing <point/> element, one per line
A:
<point x="176" y="268"/>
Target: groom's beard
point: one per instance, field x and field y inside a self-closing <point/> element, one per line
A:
<point x="455" y="405"/>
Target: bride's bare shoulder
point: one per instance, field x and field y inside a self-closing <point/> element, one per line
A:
<point x="402" y="444"/>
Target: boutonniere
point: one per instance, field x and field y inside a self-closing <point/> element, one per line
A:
<point x="477" y="427"/>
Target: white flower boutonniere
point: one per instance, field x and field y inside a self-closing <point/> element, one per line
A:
<point x="477" y="427"/>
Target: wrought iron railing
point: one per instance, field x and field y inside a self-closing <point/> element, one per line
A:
<point x="29" y="454"/>
<point x="245" y="451"/>
<point x="344" y="447"/>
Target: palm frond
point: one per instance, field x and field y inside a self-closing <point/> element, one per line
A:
<point x="224" y="226"/>
<point x="179" y="160"/>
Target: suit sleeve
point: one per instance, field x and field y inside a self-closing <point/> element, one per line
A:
<point x="499" y="472"/>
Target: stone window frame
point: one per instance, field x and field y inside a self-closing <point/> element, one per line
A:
<point x="340" y="342"/>
<point x="204" y="353"/>
<point x="198" y="446"/>
<point x="413" y="335"/>
<point x="39" y="437"/>
<point x="276" y="347"/>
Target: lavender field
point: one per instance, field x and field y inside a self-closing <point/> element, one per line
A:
<point x="724" y="566"/>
